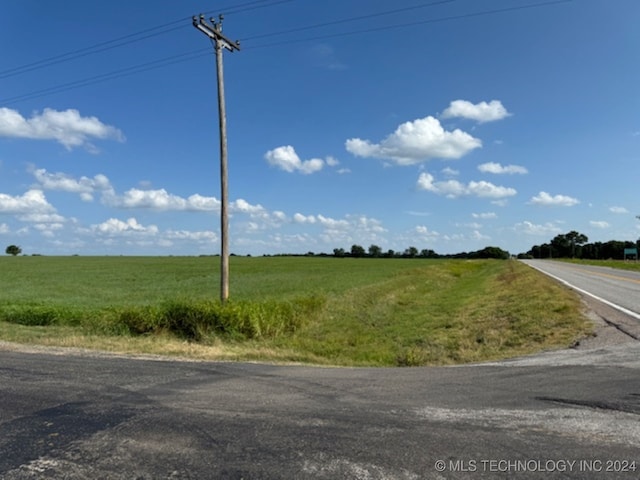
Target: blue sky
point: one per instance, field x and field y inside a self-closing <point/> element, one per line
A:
<point x="447" y="125"/>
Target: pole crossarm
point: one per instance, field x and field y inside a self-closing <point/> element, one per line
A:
<point x="214" y="32"/>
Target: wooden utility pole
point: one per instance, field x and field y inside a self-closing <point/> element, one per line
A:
<point x="214" y="32"/>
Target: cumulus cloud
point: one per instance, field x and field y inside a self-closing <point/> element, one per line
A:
<point x="415" y="142"/>
<point x="41" y="218"/>
<point x="162" y="200"/>
<point x="84" y="186"/>
<point x="114" y="226"/>
<point x="66" y="127"/>
<point x="547" y="200"/>
<point x="480" y="112"/>
<point x="492" y="167"/>
<point x="454" y="188"/>
<point x="325" y="222"/>
<point x="424" y="232"/>
<point x="31" y="202"/>
<point x="618" y="210"/>
<point x="350" y="229"/>
<point x="286" y="158"/>
<point x="484" y="216"/>
<point x="198" y="236"/>
<point x="531" y="228"/>
<point x="599" y="224"/>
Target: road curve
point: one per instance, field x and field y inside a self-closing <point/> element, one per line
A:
<point x="562" y="415"/>
<point x="617" y="288"/>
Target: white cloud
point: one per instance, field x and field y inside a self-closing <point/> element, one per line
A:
<point x="532" y="229"/>
<point x="618" y="210"/>
<point x="287" y="159"/>
<point x="84" y="186"/>
<point x="599" y="224"/>
<point x="202" y="236"/>
<point x="162" y="200"/>
<point x="299" y="218"/>
<point x="454" y="188"/>
<point x="66" y="127"/>
<point x="4" y="228"/>
<point x="547" y="200"/>
<point x="33" y="201"/>
<point x="332" y="161"/>
<point x="481" y="112"/>
<point x="424" y="232"/>
<point x="415" y="142"/>
<point x="41" y="218"/>
<point x="115" y="227"/>
<point x="484" y="216"/>
<point x="351" y="229"/>
<point x="321" y="220"/>
<point x="492" y="167"/>
<point x="48" y="229"/>
<point x="450" y="172"/>
<point x="242" y="206"/>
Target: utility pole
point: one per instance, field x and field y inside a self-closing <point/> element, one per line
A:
<point x="214" y="32"/>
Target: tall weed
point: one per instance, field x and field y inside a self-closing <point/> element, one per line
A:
<point x="200" y="320"/>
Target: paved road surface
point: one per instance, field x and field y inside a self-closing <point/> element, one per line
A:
<point x="617" y="288"/>
<point x="571" y="414"/>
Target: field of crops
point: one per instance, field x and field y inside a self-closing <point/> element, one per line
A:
<point x="338" y="311"/>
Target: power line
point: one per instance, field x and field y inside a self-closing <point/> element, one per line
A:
<point x="247" y="8"/>
<point x="414" y="23"/>
<point x="113" y="75"/>
<point x="83" y="52"/>
<point x="347" y="20"/>
<point x="130" y="38"/>
<point x="198" y="53"/>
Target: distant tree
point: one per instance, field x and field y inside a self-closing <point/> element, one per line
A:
<point x="427" y="253"/>
<point x="13" y="250"/>
<point x="411" y="252"/>
<point x="576" y="240"/>
<point x="568" y="244"/>
<point x="492" y="252"/>
<point x="375" y="251"/>
<point x="338" y="252"/>
<point x="357" y="251"/>
<point x="390" y="253"/>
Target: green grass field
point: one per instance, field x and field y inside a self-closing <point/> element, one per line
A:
<point x="332" y="311"/>
<point x="619" y="264"/>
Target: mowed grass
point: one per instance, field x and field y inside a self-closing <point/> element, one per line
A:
<point x="632" y="265"/>
<point x="331" y="311"/>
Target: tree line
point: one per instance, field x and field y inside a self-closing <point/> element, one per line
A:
<point x="375" y="251"/>
<point x="576" y="245"/>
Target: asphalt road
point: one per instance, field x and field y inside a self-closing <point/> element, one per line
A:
<point x="77" y="415"/>
<point x="619" y="289"/>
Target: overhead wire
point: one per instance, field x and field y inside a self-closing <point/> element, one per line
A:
<point x="186" y="56"/>
<point x="130" y="38"/>
<point x="411" y="24"/>
<point x="123" y="72"/>
<point x="347" y="20"/>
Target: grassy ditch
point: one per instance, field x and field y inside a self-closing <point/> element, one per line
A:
<point x="381" y="312"/>
<point x="632" y="265"/>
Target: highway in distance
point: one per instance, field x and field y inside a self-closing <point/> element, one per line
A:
<point x="619" y="289"/>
